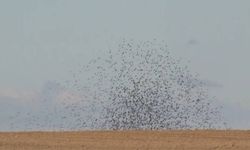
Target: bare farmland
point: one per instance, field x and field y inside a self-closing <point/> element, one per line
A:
<point x="121" y="140"/>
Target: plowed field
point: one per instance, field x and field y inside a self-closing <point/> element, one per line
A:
<point x="126" y="140"/>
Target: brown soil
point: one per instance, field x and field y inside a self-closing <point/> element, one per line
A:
<point x="127" y="140"/>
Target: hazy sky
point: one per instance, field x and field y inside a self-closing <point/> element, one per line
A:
<point x="42" y="40"/>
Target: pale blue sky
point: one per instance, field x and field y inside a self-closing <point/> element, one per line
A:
<point x="42" y="40"/>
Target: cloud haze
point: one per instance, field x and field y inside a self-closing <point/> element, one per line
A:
<point x="44" y="40"/>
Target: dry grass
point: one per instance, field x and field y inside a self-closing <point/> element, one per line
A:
<point x="134" y="140"/>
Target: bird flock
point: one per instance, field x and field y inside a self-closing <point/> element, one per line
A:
<point x="138" y="86"/>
